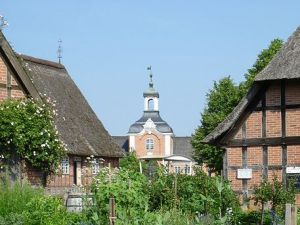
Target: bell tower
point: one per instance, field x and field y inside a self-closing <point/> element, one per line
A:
<point x="151" y="96"/>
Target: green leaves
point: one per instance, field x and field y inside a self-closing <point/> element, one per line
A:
<point x="221" y="100"/>
<point x="27" y="131"/>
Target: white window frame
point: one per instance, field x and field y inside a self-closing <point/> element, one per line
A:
<point x="149" y="144"/>
<point x="187" y="169"/>
<point x="95" y="167"/>
<point x="177" y="169"/>
<point x="65" y="166"/>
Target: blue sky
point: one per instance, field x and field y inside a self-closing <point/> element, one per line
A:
<point x="107" y="46"/>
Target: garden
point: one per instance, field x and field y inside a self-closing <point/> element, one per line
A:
<point x="140" y="198"/>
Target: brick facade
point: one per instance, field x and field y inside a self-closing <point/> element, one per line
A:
<point x="266" y="160"/>
<point x="159" y="144"/>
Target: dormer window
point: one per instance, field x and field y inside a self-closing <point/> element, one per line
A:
<point x="149" y="144"/>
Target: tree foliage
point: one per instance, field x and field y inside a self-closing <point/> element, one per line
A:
<point x="261" y="62"/>
<point x="221" y="100"/>
<point x="275" y="193"/>
<point x="27" y="131"/>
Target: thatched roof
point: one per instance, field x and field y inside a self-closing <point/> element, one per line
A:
<point x="232" y="118"/>
<point x="76" y="122"/>
<point x="285" y="65"/>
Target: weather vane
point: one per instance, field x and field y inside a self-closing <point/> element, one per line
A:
<point x="150" y="69"/>
<point x="59" y="51"/>
<point x="151" y="81"/>
<point x="3" y="22"/>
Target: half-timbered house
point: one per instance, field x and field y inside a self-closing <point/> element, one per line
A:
<point x="261" y="137"/>
<point x="89" y="145"/>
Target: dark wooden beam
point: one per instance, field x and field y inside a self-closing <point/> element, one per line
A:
<point x="283" y="131"/>
<point x="256" y="142"/>
<point x="8" y="83"/>
<point x="13" y="86"/>
<point x="278" y="107"/>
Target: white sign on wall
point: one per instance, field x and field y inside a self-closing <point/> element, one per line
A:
<point x="293" y="169"/>
<point x="244" y="173"/>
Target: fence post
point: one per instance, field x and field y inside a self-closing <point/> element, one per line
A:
<point x="288" y="212"/>
<point x="112" y="211"/>
<point x="294" y="215"/>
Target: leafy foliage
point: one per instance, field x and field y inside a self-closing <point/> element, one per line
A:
<point x="20" y="204"/>
<point x="221" y="100"/>
<point x="261" y="62"/>
<point x="28" y="132"/>
<point x="129" y="188"/>
<point x="275" y="193"/>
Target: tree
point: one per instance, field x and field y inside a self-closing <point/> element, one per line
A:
<point x="275" y="193"/>
<point x="221" y="100"/>
<point x="261" y="62"/>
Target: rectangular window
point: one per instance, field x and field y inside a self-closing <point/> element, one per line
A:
<point x="177" y="169"/>
<point x="187" y="169"/>
<point x="65" y="166"/>
<point x="149" y="144"/>
<point x="95" y="167"/>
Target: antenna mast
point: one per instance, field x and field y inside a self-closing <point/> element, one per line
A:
<point x="59" y="51"/>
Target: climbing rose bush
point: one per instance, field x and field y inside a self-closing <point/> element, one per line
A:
<point x="27" y="131"/>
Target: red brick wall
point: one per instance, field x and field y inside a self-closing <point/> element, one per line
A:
<point x="159" y="144"/>
<point x="273" y="125"/>
<point x="293" y="122"/>
<point x="256" y="179"/>
<point x="253" y="125"/>
<point x="254" y="156"/>
<point x="274" y="155"/>
<point x="234" y="156"/>
<point x="16" y="91"/>
<point x="293" y="157"/>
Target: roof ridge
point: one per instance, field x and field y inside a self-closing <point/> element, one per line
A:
<point x="42" y="61"/>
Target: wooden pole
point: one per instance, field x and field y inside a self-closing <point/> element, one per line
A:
<point x="141" y="168"/>
<point x="288" y="215"/>
<point x="112" y="208"/>
<point x="112" y="211"/>
<point x="294" y="215"/>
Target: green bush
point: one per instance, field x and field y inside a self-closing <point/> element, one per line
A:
<point x="24" y="205"/>
<point x="14" y="197"/>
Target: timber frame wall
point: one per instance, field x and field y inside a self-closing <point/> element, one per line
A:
<point x="266" y="138"/>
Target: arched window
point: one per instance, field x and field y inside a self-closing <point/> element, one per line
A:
<point x="149" y="144"/>
<point x="151" y="104"/>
